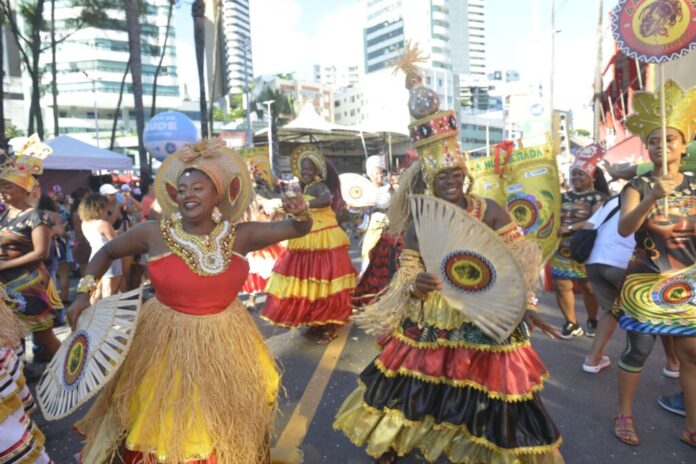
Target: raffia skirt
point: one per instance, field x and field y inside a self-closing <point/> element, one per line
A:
<point x="191" y="388"/>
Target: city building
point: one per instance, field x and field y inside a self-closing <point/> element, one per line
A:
<point x="299" y="93"/>
<point x="349" y="106"/>
<point x="236" y="37"/>
<point x="478" y="131"/>
<point x="335" y="76"/>
<point x="16" y="113"/>
<point x="451" y="34"/>
<point x="91" y="64"/>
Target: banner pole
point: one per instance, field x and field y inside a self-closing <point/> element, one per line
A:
<point x="663" y="127"/>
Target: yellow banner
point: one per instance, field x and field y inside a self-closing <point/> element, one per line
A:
<point x="258" y="162"/>
<point x="525" y="182"/>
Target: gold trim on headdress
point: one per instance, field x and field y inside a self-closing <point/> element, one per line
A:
<point x="225" y="168"/>
<point x="27" y="163"/>
<point x="434" y="134"/>
<point x="680" y="108"/>
<point x="311" y="153"/>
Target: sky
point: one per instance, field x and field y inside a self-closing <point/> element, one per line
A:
<point x="292" y="35"/>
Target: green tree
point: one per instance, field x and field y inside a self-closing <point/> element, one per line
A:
<point x="12" y="131"/>
<point x="29" y="41"/>
<point x="582" y="132"/>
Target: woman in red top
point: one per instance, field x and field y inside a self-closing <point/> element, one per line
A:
<point x="198" y="384"/>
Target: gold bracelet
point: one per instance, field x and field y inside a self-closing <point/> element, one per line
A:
<point x="304" y="216"/>
<point x="87" y="284"/>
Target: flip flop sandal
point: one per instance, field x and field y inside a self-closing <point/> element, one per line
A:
<point x="689" y="438"/>
<point x="327" y="337"/>
<point x="625" y="431"/>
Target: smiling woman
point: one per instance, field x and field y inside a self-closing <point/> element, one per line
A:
<point x="198" y="383"/>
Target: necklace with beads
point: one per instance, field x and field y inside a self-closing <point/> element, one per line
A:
<point x="205" y="255"/>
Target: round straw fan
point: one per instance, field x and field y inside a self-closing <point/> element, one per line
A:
<point x="480" y="276"/>
<point x="92" y="354"/>
<point x="357" y="191"/>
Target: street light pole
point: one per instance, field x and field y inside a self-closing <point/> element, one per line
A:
<point x="268" y="104"/>
<point x="96" y="109"/>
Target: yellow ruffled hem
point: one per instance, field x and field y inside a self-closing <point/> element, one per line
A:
<point x="304" y="324"/>
<point x="10" y="404"/>
<point x="310" y="289"/>
<point x="398" y="333"/>
<point x="388" y="429"/>
<point x="463" y="383"/>
<point x="328" y="238"/>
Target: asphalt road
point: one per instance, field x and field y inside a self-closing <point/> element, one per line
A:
<point x="317" y="378"/>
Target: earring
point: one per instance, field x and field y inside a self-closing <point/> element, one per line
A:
<point x="217" y="215"/>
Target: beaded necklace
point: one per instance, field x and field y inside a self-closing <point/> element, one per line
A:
<point x="206" y="255"/>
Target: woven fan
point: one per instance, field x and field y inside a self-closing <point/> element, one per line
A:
<point x="480" y="276"/>
<point x="357" y="191"/>
<point x="92" y="354"/>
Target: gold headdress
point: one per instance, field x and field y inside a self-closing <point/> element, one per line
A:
<point x="225" y="168"/>
<point x="27" y="163"/>
<point x="311" y="153"/>
<point x="434" y="133"/>
<point x="680" y="109"/>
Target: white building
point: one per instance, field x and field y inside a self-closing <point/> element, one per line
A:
<point x="335" y="76"/>
<point x="236" y="37"/>
<point x="299" y="93"/>
<point x="450" y="33"/>
<point x="91" y="64"/>
<point x="13" y="103"/>
<point x="349" y="106"/>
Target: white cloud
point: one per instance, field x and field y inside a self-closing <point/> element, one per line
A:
<point x="280" y="44"/>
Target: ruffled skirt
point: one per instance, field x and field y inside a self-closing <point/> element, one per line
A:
<point x="21" y="441"/>
<point x="384" y="262"/>
<point x="312" y="281"/>
<point x="192" y="388"/>
<point x="563" y="267"/>
<point x="40" y="307"/>
<point x="261" y="264"/>
<point x="659" y="304"/>
<point x="449" y="390"/>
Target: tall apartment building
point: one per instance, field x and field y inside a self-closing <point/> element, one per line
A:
<point x="450" y="32"/>
<point x="235" y="26"/>
<point x="13" y="104"/>
<point x="91" y="64"/>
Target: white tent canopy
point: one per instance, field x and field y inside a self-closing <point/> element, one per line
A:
<point x="72" y="154"/>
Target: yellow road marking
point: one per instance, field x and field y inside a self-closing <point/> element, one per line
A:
<point x="296" y="429"/>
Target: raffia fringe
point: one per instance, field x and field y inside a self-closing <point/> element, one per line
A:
<point x="386" y="312"/>
<point x="529" y="257"/>
<point x="12" y="330"/>
<point x="216" y="367"/>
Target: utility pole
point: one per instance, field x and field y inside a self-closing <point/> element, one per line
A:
<point x="553" y="59"/>
<point x="597" y="104"/>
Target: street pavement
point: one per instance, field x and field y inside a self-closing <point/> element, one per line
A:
<point x="317" y="378"/>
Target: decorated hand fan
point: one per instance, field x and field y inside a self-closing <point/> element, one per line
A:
<point x="357" y="191"/>
<point x="90" y="357"/>
<point x="480" y="276"/>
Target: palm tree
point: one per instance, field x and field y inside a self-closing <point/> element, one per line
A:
<point x="133" y="25"/>
<point x="198" y="13"/>
<point x="153" y="109"/>
<point x="117" y="113"/>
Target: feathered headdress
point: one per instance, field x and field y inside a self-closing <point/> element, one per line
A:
<point x="680" y="108"/>
<point x="434" y="133"/>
